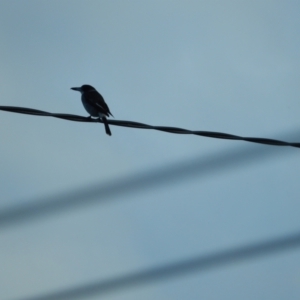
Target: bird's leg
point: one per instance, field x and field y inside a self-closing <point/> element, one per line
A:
<point x="89" y="118"/>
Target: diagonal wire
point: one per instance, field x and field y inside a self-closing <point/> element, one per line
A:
<point x="197" y="264"/>
<point x="217" y="135"/>
<point x="196" y="168"/>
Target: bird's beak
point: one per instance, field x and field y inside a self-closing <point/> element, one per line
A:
<point x="76" y="89"/>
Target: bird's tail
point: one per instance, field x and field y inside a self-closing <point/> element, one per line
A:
<point x="107" y="130"/>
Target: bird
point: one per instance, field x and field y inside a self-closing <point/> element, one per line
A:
<point x="94" y="104"/>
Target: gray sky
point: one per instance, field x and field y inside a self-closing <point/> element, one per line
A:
<point x="227" y="66"/>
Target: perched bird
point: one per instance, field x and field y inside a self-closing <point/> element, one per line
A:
<point x="94" y="104"/>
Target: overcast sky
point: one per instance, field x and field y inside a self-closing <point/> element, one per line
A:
<point x="226" y="66"/>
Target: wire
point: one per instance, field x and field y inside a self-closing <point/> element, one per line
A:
<point x="117" y="189"/>
<point x="153" y="178"/>
<point x="184" y="267"/>
<point x="217" y="135"/>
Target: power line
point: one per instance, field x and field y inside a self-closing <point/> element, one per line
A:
<point x="184" y="267"/>
<point x="103" y="193"/>
<point x="99" y="193"/>
<point x="217" y="135"/>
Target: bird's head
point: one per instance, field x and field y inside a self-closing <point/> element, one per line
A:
<point x="84" y="88"/>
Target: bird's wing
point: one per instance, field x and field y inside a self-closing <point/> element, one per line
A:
<point x="95" y="99"/>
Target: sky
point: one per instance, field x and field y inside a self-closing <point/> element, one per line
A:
<point x="226" y="66"/>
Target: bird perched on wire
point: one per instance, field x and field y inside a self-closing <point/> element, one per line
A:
<point x="94" y="104"/>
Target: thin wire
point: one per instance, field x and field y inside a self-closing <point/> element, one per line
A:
<point x="217" y="135"/>
<point x="184" y="267"/>
<point x="99" y="193"/>
<point x="198" y="264"/>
